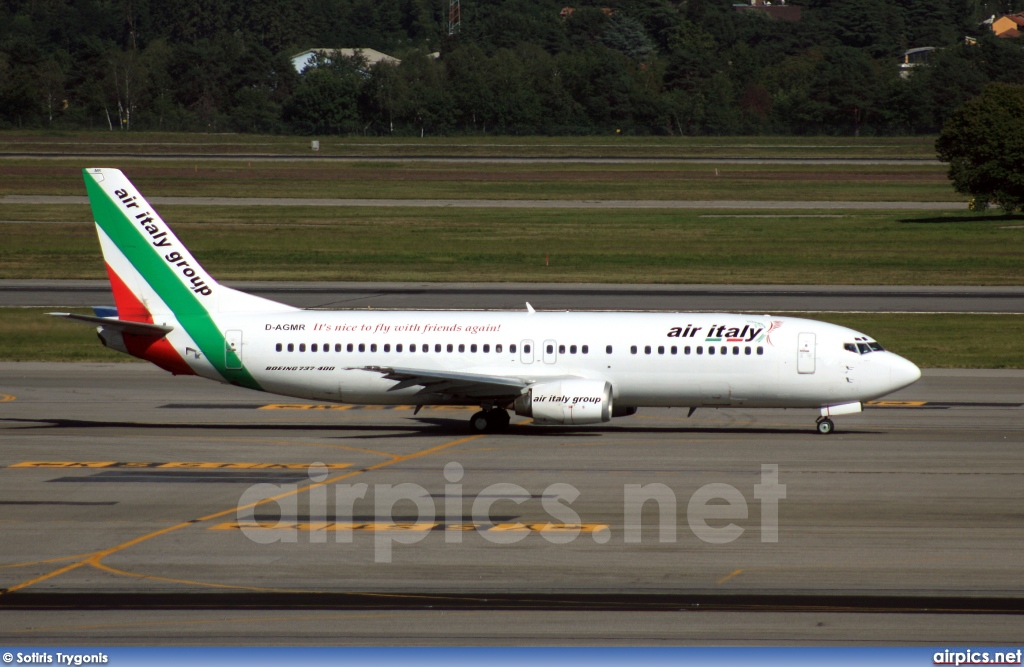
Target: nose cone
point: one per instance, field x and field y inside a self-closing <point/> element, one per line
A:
<point x="902" y="373"/>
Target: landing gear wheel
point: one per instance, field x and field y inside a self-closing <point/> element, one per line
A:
<point x="826" y="426"/>
<point x="499" y="419"/>
<point x="489" y="421"/>
<point x="480" y="423"/>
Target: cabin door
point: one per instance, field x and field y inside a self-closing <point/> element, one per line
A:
<point x="805" y="353"/>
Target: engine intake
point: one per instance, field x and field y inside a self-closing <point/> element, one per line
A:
<point x="567" y="402"/>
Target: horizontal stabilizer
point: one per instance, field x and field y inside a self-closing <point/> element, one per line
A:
<point x="124" y="326"/>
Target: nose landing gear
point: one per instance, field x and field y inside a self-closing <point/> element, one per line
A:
<point x="825" y="425"/>
<point x="489" y="421"/>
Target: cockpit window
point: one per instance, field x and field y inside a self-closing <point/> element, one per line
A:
<point x="876" y="347"/>
<point x="863" y="347"/>
<point x="850" y="347"/>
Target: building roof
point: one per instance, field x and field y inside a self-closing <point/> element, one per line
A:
<point x="1009" y="25"/>
<point x="303" y="60"/>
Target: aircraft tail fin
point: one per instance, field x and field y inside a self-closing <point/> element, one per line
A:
<point x="151" y="272"/>
<point x="170" y="311"/>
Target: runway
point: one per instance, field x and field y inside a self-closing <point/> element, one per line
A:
<point x="120" y="486"/>
<point x="561" y="296"/>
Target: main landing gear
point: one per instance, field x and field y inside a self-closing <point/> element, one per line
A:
<point x="825" y="426"/>
<point x="489" y="421"/>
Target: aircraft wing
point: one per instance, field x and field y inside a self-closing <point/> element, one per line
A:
<point x="124" y="326"/>
<point x="457" y="385"/>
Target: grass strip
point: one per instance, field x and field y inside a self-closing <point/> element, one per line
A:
<point x="829" y="247"/>
<point x="433" y="180"/>
<point x="596" y="146"/>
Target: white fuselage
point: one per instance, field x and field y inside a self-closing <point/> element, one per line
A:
<point x="650" y="359"/>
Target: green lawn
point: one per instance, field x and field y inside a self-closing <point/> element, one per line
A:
<point x="581" y="245"/>
<point x="931" y="341"/>
<point x="446" y="180"/>
<point x="598" y="146"/>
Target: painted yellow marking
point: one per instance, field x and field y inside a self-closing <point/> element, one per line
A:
<point x="383" y="526"/>
<point x="191" y="465"/>
<point x="42" y="562"/>
<point x="303" y="406"/>
<point x="896" y="404"/>
<point x="95" y="559"/>
<point x="6" y="398"/>
<point x="63" y="464"/>
<point x="734" y="573"/>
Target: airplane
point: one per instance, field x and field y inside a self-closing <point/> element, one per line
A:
<point x="570" y="368"/>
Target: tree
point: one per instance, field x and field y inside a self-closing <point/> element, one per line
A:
<point x="983" y="142"/>
<point x="326" y="99"/>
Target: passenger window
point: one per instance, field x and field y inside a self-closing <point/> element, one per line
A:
<point x="349" y="347"/>
<point x="647" y="349"/>
<point x="674" y="350"/>
<point x="302" y="347"/>
<point x="412" y="348"/>
<point x="572" y="349"/>
<point x="497" y="348"/>
<point x="278" y="347"/>
<point x="550" y="349"/>
<point x="337" y="347"/>
<point x="632" y="349"/>
<point x="387" y="347"/>
<point x="586" y="349"/>
<point x="725" y="350"/>
<point x="373" y="347"/>
<point x="526" y="349"/>
<point x="472" y="348"/>
<point x="661" y="349"/>
<point x="607" y="349"/>
<point x="760" y="350"/>
<point x="746" y="350"/>
<point x="864" y="349"/>
<point x="398" y="347"/>
<point x="424" y="348"/>
<point x="512" y="348"/>
<point x="735" y="349"/>
<point x="700" y="349"/>
<point x="686" y="350"/>
<point x="850" y="347"/>
<point x="437" y="347"/>
<point x="312" y="348"/>
<point x="291" y="347"/>
<point x="327" y="347"/>
<point x="711" y="349"/>
<point x="450" y="348"/>
<point x="561" y="349"/>
<point x="487" y="348"/>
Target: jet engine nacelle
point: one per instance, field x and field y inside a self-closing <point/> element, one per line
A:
<point x="567" y="402"/>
